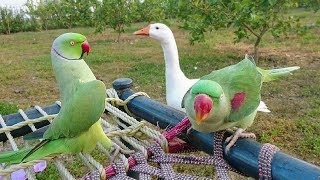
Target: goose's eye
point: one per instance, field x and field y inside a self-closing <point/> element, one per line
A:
<point x="157" y="27"/>
<point x="72" y="43"/>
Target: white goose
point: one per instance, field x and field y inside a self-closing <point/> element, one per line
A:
<point x="177" y="84"/>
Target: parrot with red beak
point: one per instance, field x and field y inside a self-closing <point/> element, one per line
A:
<point x="228" y="98"/>
<point x="77" y="128"/>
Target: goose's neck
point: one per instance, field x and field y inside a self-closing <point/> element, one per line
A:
<point x="171" y="57"/>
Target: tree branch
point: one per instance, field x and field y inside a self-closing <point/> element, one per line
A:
<point x="264" y="30"/>
<point x="249" y="29"/>
<point x="245" y="25"/>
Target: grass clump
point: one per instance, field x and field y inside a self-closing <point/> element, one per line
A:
<point x="7" y="108"/>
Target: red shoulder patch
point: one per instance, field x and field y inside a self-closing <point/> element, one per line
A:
<point x="238" y="100"/>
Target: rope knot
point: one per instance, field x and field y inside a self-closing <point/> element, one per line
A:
<point x="114" y="99"/>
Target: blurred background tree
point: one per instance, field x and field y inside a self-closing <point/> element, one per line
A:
<point x="247" y="18"/>
<point x="115" y="14"/>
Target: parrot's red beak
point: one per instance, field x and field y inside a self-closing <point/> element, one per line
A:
<point x="143" y="31"/>
<point x="202" y="106"/>
<point x="85" y="47"/>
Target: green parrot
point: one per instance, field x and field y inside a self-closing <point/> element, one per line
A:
<point x="77" y="127"/>
<point x="228" y="98"/>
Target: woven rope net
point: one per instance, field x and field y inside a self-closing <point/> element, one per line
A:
<point x="128" y="134"/>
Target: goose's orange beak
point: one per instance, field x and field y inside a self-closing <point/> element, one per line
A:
<point x="143" y="31"/>
<point x="202" y="106"/>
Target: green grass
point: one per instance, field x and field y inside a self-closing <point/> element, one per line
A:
<point x="293" y="124"/>
<point x="147" y="73"/>
<point x="312" y="134"/>
<point x="7" y="108"/>
<point x="50" y="173"/>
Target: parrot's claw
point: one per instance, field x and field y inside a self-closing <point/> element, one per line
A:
<point x="189" y="130"/>
<point x="116" y="150"/>
<point x="238" y="134"/>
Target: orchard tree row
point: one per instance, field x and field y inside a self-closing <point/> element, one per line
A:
<point x="246" y="17"/>
<point x="54" y="14"/>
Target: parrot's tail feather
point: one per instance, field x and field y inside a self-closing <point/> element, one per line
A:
<point x="273" y="74"/>
<point x="14" y="157"/>
<point x="35" y="148"/>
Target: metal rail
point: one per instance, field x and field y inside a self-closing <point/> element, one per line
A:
<point x="32" y="114"/>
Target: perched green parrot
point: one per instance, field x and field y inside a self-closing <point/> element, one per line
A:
<point x="228" y="98"/>
<point x="77" y="127"/>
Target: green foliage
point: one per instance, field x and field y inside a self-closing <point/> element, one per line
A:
<point x="150" y="10"/>
<point x="41" y="12"/>
<point x="115" y="14"/>
<point x="15" y="20"/>
<point x="311" y="4"/>
<point x="12" y="20"/>
<point x="75" y="13"/>
<point x="62" y="14"/>
<point x="7" y="108"/>
<point x="6" y="20"/>
<point x="248" y="18"/>
<point x="171" y="8"/>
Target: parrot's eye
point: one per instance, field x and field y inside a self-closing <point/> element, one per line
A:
<point x="72" y="43"/>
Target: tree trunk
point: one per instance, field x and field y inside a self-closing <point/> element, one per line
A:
<point x="8" y="27"/>
<point x="119" y="30"/>
<point x="258" y="40"/>
<point x="257" y="43"/>
<point x="46" y="26"/>
<point x="256" y="52"/>
<point x="256" y="48"/>
<point x="119" y="34"/>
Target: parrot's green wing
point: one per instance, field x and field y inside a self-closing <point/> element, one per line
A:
<point x="241" y="83"/>
<point x="79" y="112"/>
<point x="185" y="97"/>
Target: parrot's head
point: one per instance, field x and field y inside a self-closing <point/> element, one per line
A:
<point x="206" y="94"/>
<point x="158" y="31"/>
<point x="71" y="46"/>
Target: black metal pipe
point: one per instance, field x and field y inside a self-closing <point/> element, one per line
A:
<point x="15" y="118"/>
<point x="242" y="156"/>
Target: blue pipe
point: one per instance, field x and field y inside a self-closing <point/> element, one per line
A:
<point x="243" y="156"/>
<point x="15" y="118"/>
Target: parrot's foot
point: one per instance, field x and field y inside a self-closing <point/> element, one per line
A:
<point x="116" y="150"/>
<point x="238" y="134"/>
